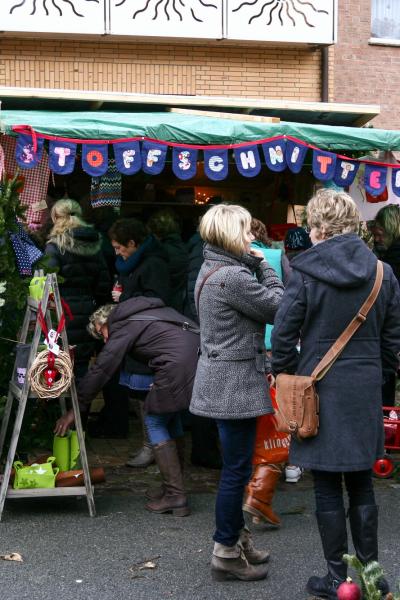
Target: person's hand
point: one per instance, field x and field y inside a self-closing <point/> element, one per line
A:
<point x="115" y="295"/>
<point x="257" y="253"/>
<point x="271" y="380"/>
<point x="64" y="423"/>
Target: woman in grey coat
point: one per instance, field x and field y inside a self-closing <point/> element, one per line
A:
<point x="329" y="284"/>
<point x="237" y="293"/>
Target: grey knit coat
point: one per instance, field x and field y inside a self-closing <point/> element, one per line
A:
<point x="328" y="285"/>
<point x="234" y="305"/>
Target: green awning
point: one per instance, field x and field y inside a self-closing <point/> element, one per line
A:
<point x="188" y="129"/>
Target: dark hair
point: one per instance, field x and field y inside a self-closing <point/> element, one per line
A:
<point x="259" y="231"/>
<point x="125" y="230"/>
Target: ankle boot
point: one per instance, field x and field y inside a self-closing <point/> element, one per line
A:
<point x="333" y="532"/>
<point x="142" y="459"/>
<point x="174" y="500"/>
<point x="158" y="492"/>
<point x="259" y="493"/>
<point x="364" y="531"/>
<point x="229" y="562"/>
<point x="254" y="557"/>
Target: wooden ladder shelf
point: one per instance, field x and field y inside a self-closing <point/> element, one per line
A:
<point x="22" y="396"/>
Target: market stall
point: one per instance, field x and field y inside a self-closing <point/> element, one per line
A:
<point x="197" y="158"/>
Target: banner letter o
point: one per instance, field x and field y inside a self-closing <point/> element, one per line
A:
<point x="95" y="158"/>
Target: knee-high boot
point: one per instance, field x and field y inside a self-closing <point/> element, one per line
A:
<point x="333" y="532"/>
<point x="174" y="499"/>
<point x="158" y="492"/>
<point x="260" y="491"/>
<point x="364" y="531"/>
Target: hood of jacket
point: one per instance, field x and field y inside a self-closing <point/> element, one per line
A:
<point x="343" y="261"/>
<point x="82" y="241"/>
<point x="214" y="253"/>
<point x="131" y="307"/>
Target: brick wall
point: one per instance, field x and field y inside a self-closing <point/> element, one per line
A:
<point x="365" y="73"/>
<point x="287" y="73"/>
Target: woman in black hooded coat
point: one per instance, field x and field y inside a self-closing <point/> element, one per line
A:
<point x="329" y="284"/>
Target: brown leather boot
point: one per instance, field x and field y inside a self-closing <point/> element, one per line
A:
<point x="254" y="556"/>
<point x="259" y="494"/>
<point x="174" y="500"/>
<point x="229" y="562"/>
<point x="158" y="492"/>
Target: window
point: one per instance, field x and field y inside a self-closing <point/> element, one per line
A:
<point x="385" y="19"/>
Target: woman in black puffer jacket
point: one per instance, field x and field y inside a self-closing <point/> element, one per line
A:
<point x="74" y="247"/>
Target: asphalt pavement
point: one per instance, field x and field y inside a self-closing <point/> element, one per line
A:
<point x="68" y="555"/>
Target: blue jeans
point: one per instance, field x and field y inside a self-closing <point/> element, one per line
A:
<point x="237" y="439"/>
<point x="161" y="428"/>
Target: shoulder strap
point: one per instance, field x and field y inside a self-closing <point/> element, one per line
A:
<point x="184" y="324"/>
<point x="203" y="282"/>
<point x="337" y="348"/>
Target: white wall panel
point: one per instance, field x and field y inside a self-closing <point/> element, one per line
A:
<point x="52" y="16"/>
<point x="300" y="21"/>
<point x="167" y="18"/>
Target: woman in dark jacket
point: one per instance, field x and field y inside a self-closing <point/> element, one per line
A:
<point x="328" y="285"/>
<point x="387" y="236"/>
<point x="237" y="293"/>
<point x="142" y="271"/>
<point x="74" y="247"/>
<point x="167" y="342"/>
<point x="141" y="262"/>
<point x="386" y="233"/>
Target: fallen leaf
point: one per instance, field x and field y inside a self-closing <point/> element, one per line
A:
<point x="148" y="565"/>
<point x="15" y="556"/>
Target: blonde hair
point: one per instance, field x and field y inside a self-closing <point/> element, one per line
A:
<point x="66" y="214"/>
<point x="332" y="213"/>
<point x="225" y="226"/>
<point x="100" y="316"/>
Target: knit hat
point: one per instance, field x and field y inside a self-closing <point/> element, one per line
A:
<point x="297" y="239"/>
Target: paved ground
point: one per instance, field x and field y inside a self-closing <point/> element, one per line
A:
<point x="68" y="555"/>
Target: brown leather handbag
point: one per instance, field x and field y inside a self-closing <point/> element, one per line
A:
<point x="296" y="395"/>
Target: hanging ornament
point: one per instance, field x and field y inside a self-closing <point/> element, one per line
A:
<point x="348" y="590"/>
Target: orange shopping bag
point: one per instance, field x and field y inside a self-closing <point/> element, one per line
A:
<point x="271" y="446"/>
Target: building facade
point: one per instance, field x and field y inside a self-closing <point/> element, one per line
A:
<point x="366" y="59"/>
<point x="193" y="48"/>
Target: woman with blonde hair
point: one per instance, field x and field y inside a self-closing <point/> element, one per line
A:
<point x="236" y="294"/>
<point x="329" y="284"/>
<point x="74" y="248"/>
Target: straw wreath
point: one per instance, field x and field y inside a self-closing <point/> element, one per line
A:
<point x="64" y="366"/>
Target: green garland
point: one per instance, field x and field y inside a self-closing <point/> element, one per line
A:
<point x="13" y="287"/>
<point x="369" y="576"/>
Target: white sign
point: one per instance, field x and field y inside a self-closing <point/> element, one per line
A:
<point x="167" y="18"/>
<point x="296" y="21"/>
<point x="53" y="16"/>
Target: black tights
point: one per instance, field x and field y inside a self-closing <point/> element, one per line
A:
<point x="329" y="493"/>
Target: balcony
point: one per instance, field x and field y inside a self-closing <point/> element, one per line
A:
<point x="277" y="21"/>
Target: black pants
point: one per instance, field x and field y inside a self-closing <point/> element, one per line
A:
<point x="329" y="492"/>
